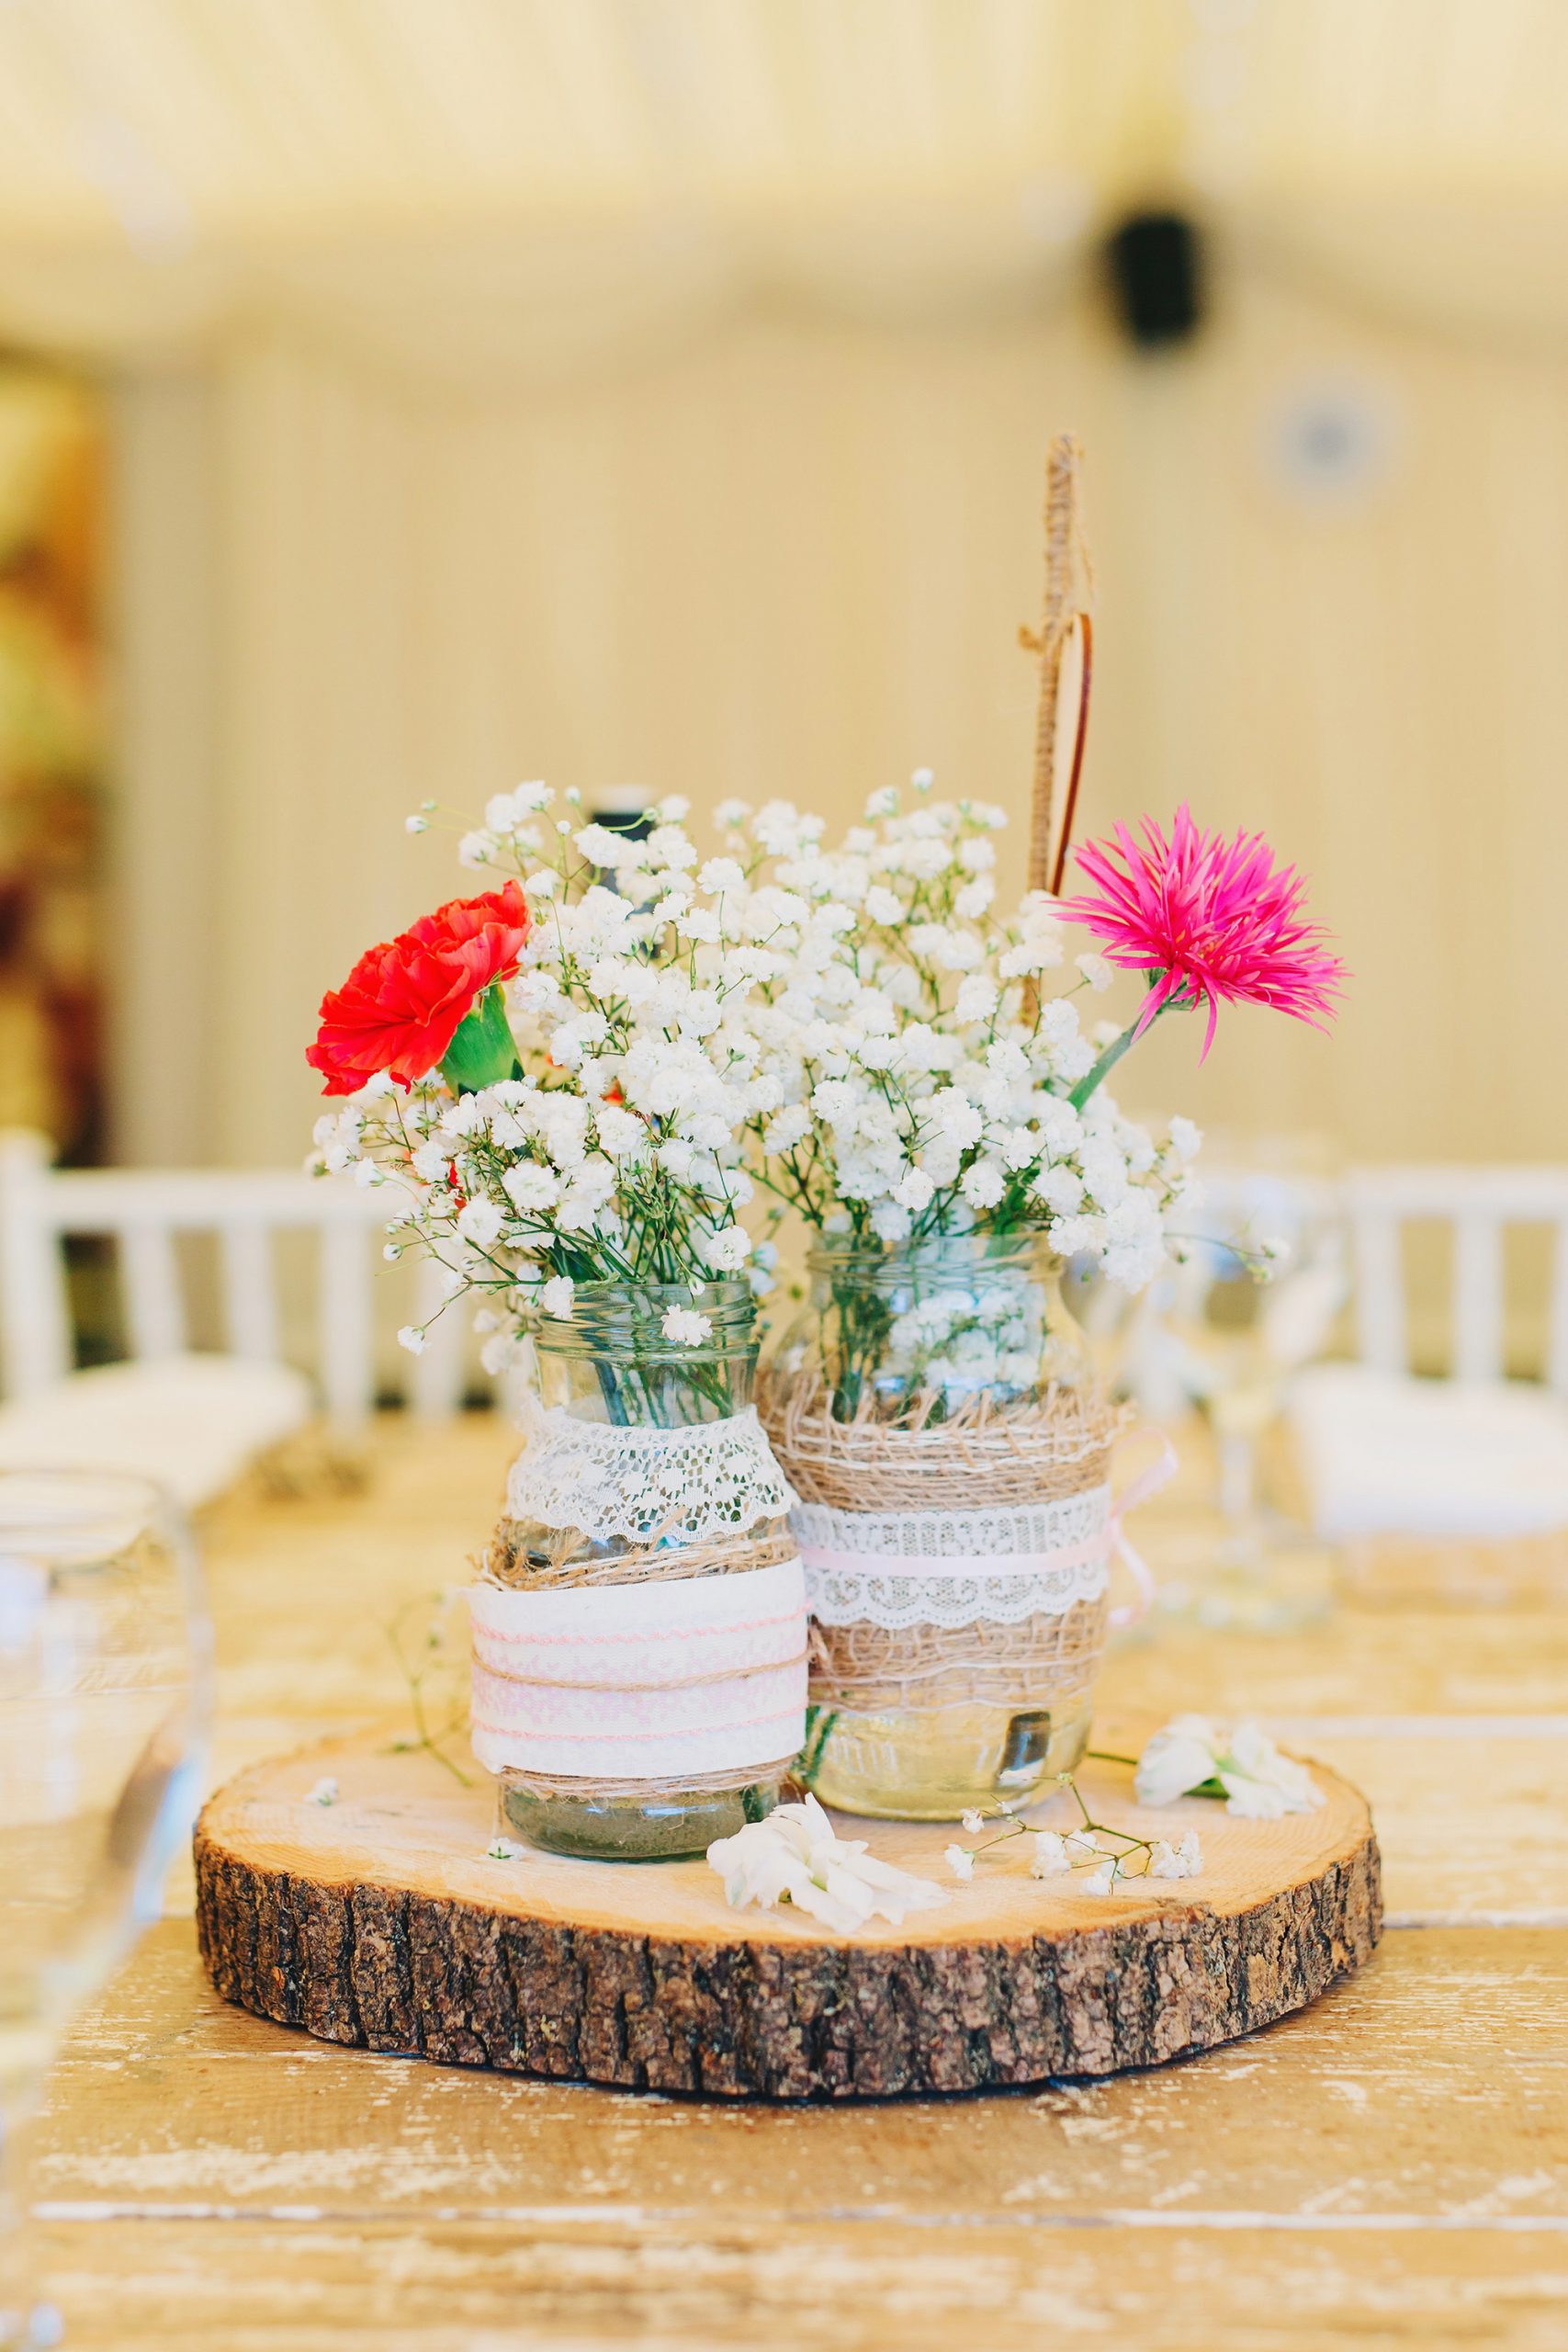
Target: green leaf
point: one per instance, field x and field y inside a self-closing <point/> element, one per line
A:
<point x="482" y="1051"/>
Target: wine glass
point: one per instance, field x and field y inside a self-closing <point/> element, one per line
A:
<point x="104" y="1702"/>
<point x="1260" y="1295"/>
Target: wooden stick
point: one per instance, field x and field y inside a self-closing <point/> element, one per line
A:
<point x="1081" y="735"/>
<point x="1061" y="541"/>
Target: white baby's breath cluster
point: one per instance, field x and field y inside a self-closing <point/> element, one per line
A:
<point x="853" y="1028"/>
<point x="1098" y="1858"/>
<point x="616" y="1152"/>
<point x="924" y="1049"/>
<point x="1106" y="1860"/>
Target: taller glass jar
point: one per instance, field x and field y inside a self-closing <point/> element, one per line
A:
<point x="639" y="1632"/>
<point x="936" y="1410"/>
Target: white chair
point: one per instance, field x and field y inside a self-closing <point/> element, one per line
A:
<point x="1475" y="1455"/>
<point x="194" y="1421"/>
<point x="1479" y="1205"/>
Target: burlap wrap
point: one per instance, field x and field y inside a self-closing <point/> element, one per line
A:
<point x="982" y="1456"/>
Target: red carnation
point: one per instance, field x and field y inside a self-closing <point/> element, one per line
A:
<point x="401" y="1005"/>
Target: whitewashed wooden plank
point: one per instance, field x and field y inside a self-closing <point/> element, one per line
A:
<point x="1379" y="1286"/>
<point x="346" y="1338"/>
<point x="35" y="1322"/>
<point x="150" y="1271"/>
<point x="1478" y="1295"/>
<point x="1557" y="1313"/>
<point x="250" y="1297"/>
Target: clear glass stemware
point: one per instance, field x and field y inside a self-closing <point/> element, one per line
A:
<point x="104" y="1702"/>
<point x="1235" y="1344"/>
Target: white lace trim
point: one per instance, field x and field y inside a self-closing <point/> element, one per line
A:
<point x="955" y="1569"/>
<point x="704" y="1479"/>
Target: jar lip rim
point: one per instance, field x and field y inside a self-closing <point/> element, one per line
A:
<point x="834" y="1249"/>
<point x="722" y="1290"/>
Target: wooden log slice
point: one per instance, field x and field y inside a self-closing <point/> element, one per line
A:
<point x="378" y="1921"/>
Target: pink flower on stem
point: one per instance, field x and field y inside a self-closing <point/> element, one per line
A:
<point x="1209" y="920"/>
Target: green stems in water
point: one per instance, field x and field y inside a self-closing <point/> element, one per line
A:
<point x="819" y="1722"/>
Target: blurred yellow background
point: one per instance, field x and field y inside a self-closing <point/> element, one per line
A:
<point x="659" y="391"/>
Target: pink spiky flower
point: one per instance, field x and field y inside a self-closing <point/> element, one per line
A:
<point x="1209" y="920"/>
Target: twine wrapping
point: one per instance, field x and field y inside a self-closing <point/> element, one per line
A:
<point x="980" y="1454"/>
<point x="982" y="1458"/>
<point x="528" y="1568"/>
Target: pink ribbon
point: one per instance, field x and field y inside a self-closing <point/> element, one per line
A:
<point x="1149" y="1483"/>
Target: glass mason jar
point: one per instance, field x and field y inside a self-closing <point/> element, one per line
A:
<point x="645" y="1470"/>
<point x="936" y="1410"/>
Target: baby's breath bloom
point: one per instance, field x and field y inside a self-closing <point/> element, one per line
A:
<point x="685" y="1325"/>
<point x="1185" y="1861"/>
<point x="1051" y="1858"/>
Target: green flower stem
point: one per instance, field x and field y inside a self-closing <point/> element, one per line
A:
<point x="819" y="1722"/>
<point x="1130" y="1845"/>
<point x="1115" y="1051"/>
<point x="1104" y="1065"/>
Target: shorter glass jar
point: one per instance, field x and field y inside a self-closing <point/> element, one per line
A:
<point x="937" y="1399"/>
<point x="612" y="1368"/>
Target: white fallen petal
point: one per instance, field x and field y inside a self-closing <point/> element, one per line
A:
<point x="793" y="1857"/>
<point x="1178" y="1758"/>
<point x="1259" y="1783"/>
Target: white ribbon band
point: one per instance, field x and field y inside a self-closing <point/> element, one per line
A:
<point x="859" y="1568"/>
<point x="641" y="1681"/>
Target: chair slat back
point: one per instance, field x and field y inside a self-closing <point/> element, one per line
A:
<point x="1478" y="1206"/>
<point x="250" y="1297"/>
<point x="35" y="1308"/>
<point x="1379" y="1288"/>
<point x="146" y="1212"/>
<point x="155" y="1312"/>
<point x="347" y="1336"/>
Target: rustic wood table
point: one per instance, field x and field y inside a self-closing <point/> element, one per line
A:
<point x="1389" y="2166"/>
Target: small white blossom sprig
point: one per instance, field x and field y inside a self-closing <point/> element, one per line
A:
<point x="1192" y="1755"/>
<point x="926" y="1082"/>
<point x="594" y="1133"/>
<point x="794" y="1856"/>
<point x="1104" y="1858"/>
